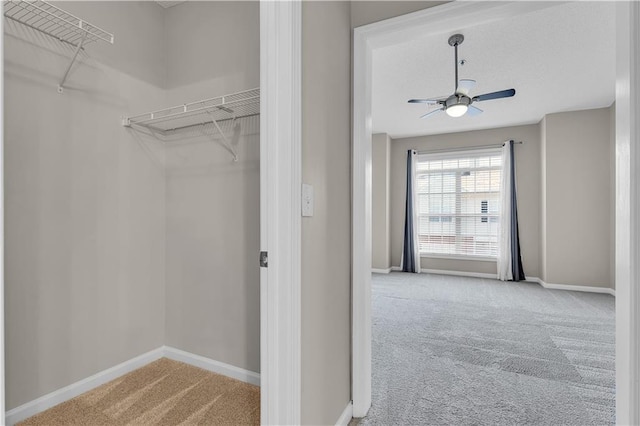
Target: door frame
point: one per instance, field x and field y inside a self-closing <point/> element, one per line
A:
<point x="2" y="382"/>
<point x="280" y="216"/>
<point x="441" y="20"/>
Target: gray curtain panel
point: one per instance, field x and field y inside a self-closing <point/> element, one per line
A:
<point x="409" y="260"/>
<point x="516" y="259"/>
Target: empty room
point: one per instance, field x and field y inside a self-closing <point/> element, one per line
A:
<point x="492" y="222"/>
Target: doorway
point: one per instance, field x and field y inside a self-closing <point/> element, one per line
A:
<point x="441" y="20"/>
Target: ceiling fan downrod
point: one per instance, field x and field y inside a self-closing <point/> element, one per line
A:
<point x="456" y="40"/>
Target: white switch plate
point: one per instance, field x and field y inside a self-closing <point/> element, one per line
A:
<point x="307" y="200"/>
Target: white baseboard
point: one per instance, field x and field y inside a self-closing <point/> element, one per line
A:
<point x="455" y="273"/>
<point x="459" y="273"/>
<point x="346" y="415"/>
<point x="68" y="392"/>
<point x="569" y="287"/>
<point x="380" y="271"/>
<point x="213" y="366"/>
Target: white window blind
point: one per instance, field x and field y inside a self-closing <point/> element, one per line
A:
<point x="458" y="202"/>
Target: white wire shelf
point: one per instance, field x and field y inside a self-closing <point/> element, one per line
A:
<point x="200" y="113"/>
<point x="54" y="22"/>
<point x="204" y="116"/>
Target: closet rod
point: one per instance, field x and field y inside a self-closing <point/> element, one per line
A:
<point x="467" y="148"/>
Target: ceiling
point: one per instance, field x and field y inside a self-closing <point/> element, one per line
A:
<point x="560" y="58"/>
<point x="168" y="4"/>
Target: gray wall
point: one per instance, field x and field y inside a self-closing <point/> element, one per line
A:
<point x="380" y="210"/>
<point x="565" y="172"/>
<point x="577" y="197"/>
<point x="527" y="175"/>
<point x="84" y="210"/>
<point x="326" y="242"/>
<point x="213" y="203"/>
<point x="612" y="196"/>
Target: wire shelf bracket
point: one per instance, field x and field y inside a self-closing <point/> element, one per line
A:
<point x="57" y="23"/>
<point x="205" y="116"/>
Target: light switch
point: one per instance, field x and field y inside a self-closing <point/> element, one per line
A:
<point x="307" y="200"/>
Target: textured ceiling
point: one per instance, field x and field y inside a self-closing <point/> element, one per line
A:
<point x="561" y="58"/>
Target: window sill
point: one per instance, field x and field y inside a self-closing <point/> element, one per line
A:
<point x="457" y="257"/>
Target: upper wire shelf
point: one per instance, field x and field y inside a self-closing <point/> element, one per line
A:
<point x="214" y="110"/>
<point x="55" y="22"/>
<point x="204" y="116"/>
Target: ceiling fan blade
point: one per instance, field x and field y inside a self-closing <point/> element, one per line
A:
<point x="465" y="86"/>
<point x="430" y="113"/>
<point x="495" y="95"/>
<point x="424" y="101"/>
<point x="473" y="111"/>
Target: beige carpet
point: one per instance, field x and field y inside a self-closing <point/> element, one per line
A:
<point x="164" y="392"/>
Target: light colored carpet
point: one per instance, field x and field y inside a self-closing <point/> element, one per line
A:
<point x="164" y="392"/>
<point x="461" y="351"/>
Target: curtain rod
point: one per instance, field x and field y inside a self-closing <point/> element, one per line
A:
<point x="466" y="148"/>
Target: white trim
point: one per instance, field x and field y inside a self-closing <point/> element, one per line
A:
<point x="280" y="201"/>
<point x="2" y="382"/>
<point x="346" y="415"/>
<point x="85" y="385"/>
<point x="571" y="287"/>
<point x="66" y="393"/>
<point x="380" y="271"/>
<point x="459" y="273"/>
<point x="627" y="198"/>
<point x="568" y="287"/>
<point x="361" y="226"/>
<point x="440" y="20"/>
<point x="458" y="257"/>
<point x="208" y="364"/>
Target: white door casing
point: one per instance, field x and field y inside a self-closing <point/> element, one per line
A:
<point x="627" y="214"/>
<point x="2" y="392"/>
<point x="280" y="201"/>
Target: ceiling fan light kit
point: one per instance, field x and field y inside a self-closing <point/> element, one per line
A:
<point x="460" y="103"/>
<point x="457" y="107"/>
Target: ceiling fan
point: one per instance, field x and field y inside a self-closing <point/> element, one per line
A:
<point x="460" y="102"/>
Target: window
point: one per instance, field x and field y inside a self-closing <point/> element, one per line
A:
<point x="458" y="197"/>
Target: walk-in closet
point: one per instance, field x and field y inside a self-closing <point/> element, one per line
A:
<point x="132" y="212"/>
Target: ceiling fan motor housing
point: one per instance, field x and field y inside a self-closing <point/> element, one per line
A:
<point x="457" y="99"/>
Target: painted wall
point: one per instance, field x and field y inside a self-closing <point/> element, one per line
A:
<point x="367" y="12"/>
<point x="84" y="210"/>
<point x="380" y="210"/>
<point x="565" y="173"/>
<point x="326" y="241"/>
<point x="212" y="202"/>
<point x="527" y="175"/>
<point x="578" y="201"/>
<point x="612" y="196"/>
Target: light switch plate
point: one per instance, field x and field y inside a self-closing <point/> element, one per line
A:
<point x="307" y="200"/>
